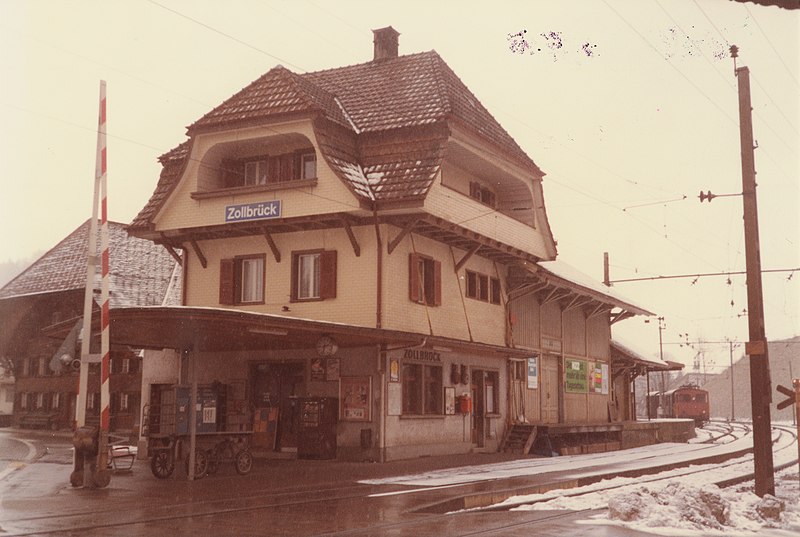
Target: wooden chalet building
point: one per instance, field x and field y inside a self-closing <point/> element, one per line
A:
<point x="369" y="234"/>
<point x="51" y="291"/>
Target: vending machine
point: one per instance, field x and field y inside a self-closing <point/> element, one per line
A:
<point x="317" y="435"/>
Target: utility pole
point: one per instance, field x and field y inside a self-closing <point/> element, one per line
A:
<point x="661" y="398"/>
<point x="730" y="343"/>
<point x="756" y="347"/>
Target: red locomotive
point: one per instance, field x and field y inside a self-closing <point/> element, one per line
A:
<point x="688" y="402"/>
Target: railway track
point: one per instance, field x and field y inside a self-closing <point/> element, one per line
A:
<point x="130" y="517"/>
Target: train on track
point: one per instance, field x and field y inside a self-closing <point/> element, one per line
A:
<point x="688" y="402"/>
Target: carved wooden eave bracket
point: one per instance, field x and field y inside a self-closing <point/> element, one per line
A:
<point x="272" y="246"/>
<point x="548" y="288"/>
<point x="455" y="236"/>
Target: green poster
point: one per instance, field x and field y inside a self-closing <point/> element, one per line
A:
<point x="576" y="378"/>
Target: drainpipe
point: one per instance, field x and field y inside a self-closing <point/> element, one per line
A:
<point x="379" y="269"/>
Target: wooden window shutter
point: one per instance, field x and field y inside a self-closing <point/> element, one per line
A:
<point x="327" y="274"/>
<point x="295" y="282"/>
<point x="413" y="277"/>
<point x="232" y="172"/>
<point x="226" y="281"/>
<point x="437" y="283"/>
<point x="287" y="167"/>
<point x="274" y="167"/>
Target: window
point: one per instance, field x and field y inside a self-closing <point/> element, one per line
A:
<point x="23" y="401"/>
<point x="39" y="404"/>
<point x="42" y="367"/>
<point x="308" y="166"/>
<point x="92" y="400"/>
<point x="126" y="365"/>
<point x="242" y="280"/>
<point x="482" y="194"/>
<point x="482" y="287"/>
<point x="313" y="275"/>
<point x="269" y="169"/>
<point x="124" y="401"/>
<point x="491" y="386"/>
<point x="55" y="400"/>
<point x="422" y="389"/>
<point x="255" y="172"/>
<point x="425" y="280"/>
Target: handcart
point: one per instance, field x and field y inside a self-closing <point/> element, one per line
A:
<point x="212" y="450"/>
<point x="219" y="437"/>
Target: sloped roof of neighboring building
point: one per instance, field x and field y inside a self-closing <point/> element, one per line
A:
<point x="140" y="271"/>
<point x="627" y="352"/>
<point x="566" y="272"/>
<point x="407" y="97"/>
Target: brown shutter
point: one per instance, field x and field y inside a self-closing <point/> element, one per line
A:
<point x="413" y="277"/>
<point x="226" y="281"/>
<point x="232" y="172"/>
<point x="287" y="167"/>
<point x="437" y="283"/>
<point x="295" y="283"/>
<point x="327" y="274"/>
<point x="274" y="173"/>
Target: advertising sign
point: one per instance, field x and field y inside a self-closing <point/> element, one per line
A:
<point x="355" y="396"/>
<point x="533" y="373"/>
<point x="576" y="376"/>
<point x="253" y="211"/>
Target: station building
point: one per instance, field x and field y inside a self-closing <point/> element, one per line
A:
<point x="370" y="237"/>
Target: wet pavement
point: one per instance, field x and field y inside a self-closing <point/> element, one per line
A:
<point x="283" y="497"/>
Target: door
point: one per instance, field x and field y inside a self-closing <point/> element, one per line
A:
<point x="550" y="389"/>
<point x="478" y="407"/>
<point x="277" y="387"/>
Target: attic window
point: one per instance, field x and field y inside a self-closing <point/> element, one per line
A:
<point x="268" y="169"/>
<point x="482" y="194"/>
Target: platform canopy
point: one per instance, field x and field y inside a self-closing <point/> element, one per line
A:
<point x="220" y="329"/>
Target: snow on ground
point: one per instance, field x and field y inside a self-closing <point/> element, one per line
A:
<point x="683" y="506"/>
<point x="682" y="502"/>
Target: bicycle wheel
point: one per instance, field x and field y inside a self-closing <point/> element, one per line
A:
<point x="200" y="464"/>
<point x="162" y="464"/>
<point x="213" y="462"/>
<point x="244" y="462"/>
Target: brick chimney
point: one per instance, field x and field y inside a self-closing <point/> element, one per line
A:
<point x="386" y="43"/>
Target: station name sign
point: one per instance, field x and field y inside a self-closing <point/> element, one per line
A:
<point x="253" y="211"/>
<point x="425" y="356"/>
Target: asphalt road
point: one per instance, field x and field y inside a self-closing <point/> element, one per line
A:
<point x="14" y="451"/>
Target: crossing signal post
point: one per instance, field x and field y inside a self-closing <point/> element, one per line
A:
<point x="792" y="398"/>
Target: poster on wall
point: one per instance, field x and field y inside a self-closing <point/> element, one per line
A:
<point x="449" y="400"/>
<point x="533" y="373"/>
<point x="394" y="370"/>
<point x="604" y="369"/>
<point x="317" y="369"/>
<point x="355" y="394"/>
<point x="597" y="378"/>
<point x="575" y="373"/>
<point x="331" y="368"/>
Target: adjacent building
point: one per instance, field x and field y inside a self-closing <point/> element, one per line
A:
<point x="51" y="291"/>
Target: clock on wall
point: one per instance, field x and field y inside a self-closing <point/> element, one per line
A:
<point x="326" y="346"/>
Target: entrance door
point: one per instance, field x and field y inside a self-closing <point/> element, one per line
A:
<point x="277" y="386"/>
<point x="478" y="407"/>
<point x="550" y="388"/>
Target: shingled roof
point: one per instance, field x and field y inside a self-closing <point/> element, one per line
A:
<point x="408" y="103"/>
<point x="141" y="273"/>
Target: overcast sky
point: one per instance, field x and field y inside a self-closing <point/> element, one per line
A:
<point x="628" y="107"/>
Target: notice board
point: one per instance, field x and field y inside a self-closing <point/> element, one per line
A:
<point x="575" y="374"/>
